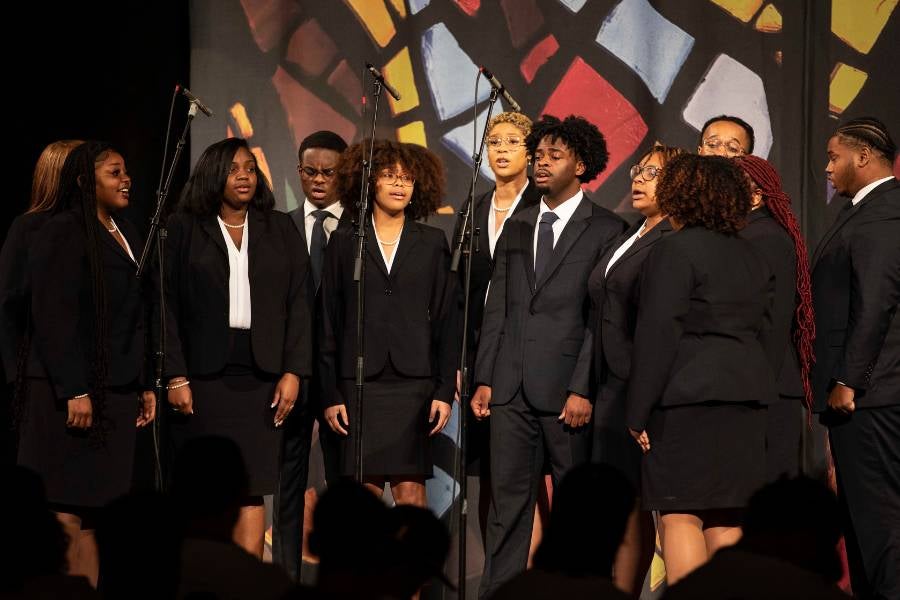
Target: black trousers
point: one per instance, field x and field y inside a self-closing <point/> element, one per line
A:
<point x="289" y="502"/>
<point x="521" y="439"/>
<point x="866" y="450"/>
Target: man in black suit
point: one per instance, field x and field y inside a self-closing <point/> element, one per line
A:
<point x="856" y="378"/>
<point x="533" y="368"/>
<point x="319" y="215"/>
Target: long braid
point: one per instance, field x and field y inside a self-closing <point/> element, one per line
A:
<point x="779" y="204"/>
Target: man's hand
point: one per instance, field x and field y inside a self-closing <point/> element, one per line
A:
<point x="481" y="402"/>
<point x="841" y="399"/>
<point x="577" y="411"/>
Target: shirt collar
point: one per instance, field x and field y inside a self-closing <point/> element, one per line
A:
<point x="866" y="189"/>
<point x="334" y="208"/>
<point x="566" y="209"/>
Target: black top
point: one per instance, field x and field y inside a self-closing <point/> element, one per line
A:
<point x="856" y="290"/>
<point x="704" y="318"/>
<point x="197" y="295"/>
<point x="62" y="307"/>
<point x="774" y="243"/>
<point x="615" y="297"/>
<point x="535" y="333"/>
<point x="482" y="261"/>
<point x="15" y="287"/>
<point x="410" y="314"/>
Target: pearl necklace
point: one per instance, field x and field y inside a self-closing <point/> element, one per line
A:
<point x="499" y="210"/>
<point x="114" y="228"/>
<point x="233" y="226"/>
<point x="382" y="242"/>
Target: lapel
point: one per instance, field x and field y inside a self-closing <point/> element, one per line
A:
<point x="526" y="240"/>
<point x="373" y="250"/>
<point x="298" y="216"/>
<point x="846" y="215"/>
<point x="257" y="230"/>
<point x="110" y="241"/>
<point x="210" y="226"/>
<point x="408" y="239"/>
<point x="570" y="234"/>
<point x="649" y="238"/>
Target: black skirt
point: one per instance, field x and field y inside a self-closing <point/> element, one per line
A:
<point x="78" y="469"/>
<point x="395" y="425"/>
<point x="704" y="456"/>
<point x="611" y="443"/>
<point x="236" y="404"/>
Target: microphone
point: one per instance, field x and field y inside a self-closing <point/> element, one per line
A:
<point x="499" y="87"/>
<point x="195" y="100"/>
<point x="380" y="79"/>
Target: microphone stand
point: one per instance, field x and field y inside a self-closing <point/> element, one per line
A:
<point x="467" y="244"/>
<point x="159" y="232"/>
<point x="359" y="276"/>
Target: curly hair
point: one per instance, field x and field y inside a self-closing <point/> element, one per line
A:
<point x="705" y="191"/>
<point x="205" y="189"/>
<point x="45" y="184"/>
<point x="516" y="119"/>
<point x="425" y="167"/>
<point x="767" y="179"/>
<point x="580" y="135"/>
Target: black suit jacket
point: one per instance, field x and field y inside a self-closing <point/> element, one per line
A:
<point x="535" y="334"/>
<point x="774" y="243"/>
<point x="410" y="314"/>
<point x="15" y="287"/>
<point x="197" y="295"/>
<point x="614" y="301"/>
<point x="856" y="289"/>
<point x="705" y="312"/>
<point x="62" y="307"/>
<point x="482" y="261"/>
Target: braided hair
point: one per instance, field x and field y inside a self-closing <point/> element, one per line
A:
<point x="767" y="179"/>
<point x="868" y="131"/>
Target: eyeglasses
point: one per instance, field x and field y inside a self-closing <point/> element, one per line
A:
<point x="311" y="173"/>
<point x="648" y="173"/>
<point x="496" y="141"/>
<point x="732" y="147"/>
<point x="391" y="178"/>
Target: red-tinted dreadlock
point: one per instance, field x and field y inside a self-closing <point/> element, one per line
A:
<point x="767" y="179"/>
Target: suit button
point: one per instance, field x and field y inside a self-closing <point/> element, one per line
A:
<point x="387" y="292"/>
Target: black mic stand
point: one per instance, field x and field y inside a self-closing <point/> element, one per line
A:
<point x="159" y="232"/>
<point x="359" y="276"/>
<point x="466" y="244"/>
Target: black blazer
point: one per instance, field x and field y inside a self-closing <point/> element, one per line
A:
<point x="62" y="307"/>
<point x="410" y="314"/>
<point x="197" y="295"/>
<point x="774" y="243"/>
<point x="15" y="287"/>
<point x="856" y="290"/>
<point x="614" y="301"/>
<point x="535" y="333"/>
<point x="704" y="314"/>
<point x="482" y="261"/>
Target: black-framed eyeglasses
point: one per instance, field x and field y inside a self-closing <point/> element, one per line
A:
<point x="732" y="147"/>
<point x="390" y="178"/>
<point x="495" y="141"/>
<point x="648" y="172"/>
<point x="311" y="173"/>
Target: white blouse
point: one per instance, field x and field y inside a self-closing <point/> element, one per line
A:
<point x="493" y="236"/>
<point x="624" y="248"/>
<point x="238" y="278"/>
<point x="388" y="262"/>
<point x="124" y="239"/>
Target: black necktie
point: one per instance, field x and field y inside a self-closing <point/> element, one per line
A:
<point x="317" y="244"/>
<point x="545" y="243"/>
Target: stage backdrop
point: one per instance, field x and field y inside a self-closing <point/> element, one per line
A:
<point x="276" y="70"/>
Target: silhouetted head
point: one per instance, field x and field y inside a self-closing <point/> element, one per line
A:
<point x="420" y="543"/>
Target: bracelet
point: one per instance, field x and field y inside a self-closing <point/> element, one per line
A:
<point x="79" y="396"/>
<point x="178" y="385"/>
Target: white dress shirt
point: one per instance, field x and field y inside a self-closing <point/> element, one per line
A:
<point x="238" y="278"/>
<point x="564" y="211"/>
<point x="492" y="218"/>
<point x="388" y="262"/>
<point x="329" y="224"/>
<point x="624" y="248"/>
<point x="862" y="193"/>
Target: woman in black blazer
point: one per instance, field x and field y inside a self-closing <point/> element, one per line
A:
<point x="513" y="192"/>
<point x="773" y="229"/>
<point x="238" y="325"/>
<point x="700" y="376"/>
<point x="85" y="371"/>
<point x="410" y="321"/>
<point x="614" y="286"/>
